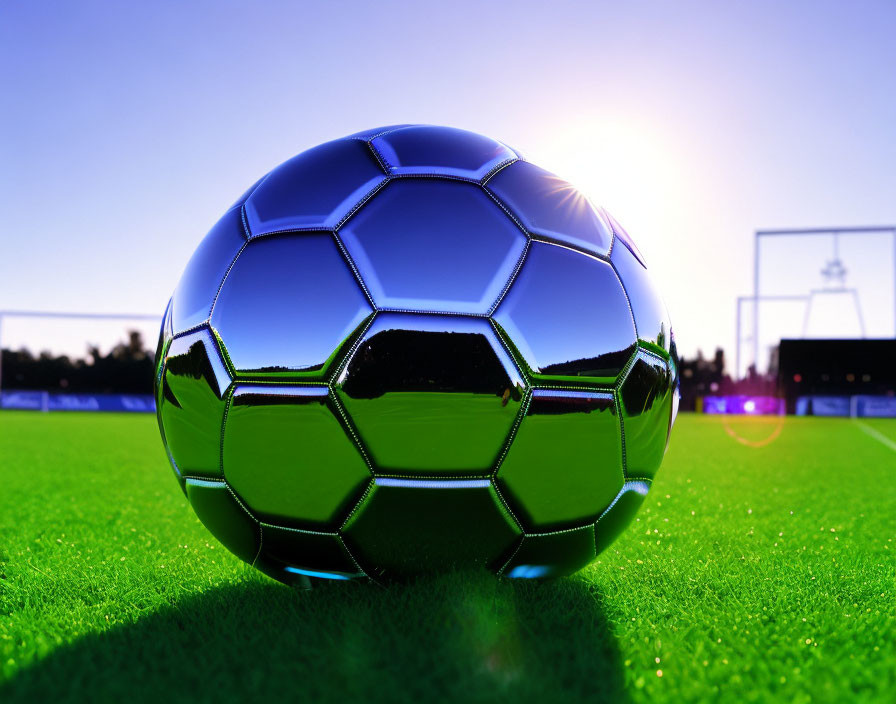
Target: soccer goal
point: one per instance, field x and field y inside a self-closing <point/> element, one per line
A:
<point x="823" y="283"/>
<point x="53" y="360"/>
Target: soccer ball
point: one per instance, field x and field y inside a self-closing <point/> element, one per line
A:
<point x="411" y="350"/>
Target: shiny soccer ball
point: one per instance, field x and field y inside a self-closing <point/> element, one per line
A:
<point x="412" y="350"/>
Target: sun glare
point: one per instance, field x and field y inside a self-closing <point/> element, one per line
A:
<point x="621" y="164"/>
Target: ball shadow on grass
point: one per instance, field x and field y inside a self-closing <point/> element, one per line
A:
<point x="456" y="637"/>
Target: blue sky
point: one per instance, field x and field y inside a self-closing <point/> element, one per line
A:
<point x="127" y="129"/>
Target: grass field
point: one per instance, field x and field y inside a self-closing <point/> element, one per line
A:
<point x="761" y="568"/>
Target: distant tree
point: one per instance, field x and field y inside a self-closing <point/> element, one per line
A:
<point x="127" y="368"/>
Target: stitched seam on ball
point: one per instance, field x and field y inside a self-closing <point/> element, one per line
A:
<point x="664" y="355"/>
<point x="361" y="571"/>
<point x="354" y="269"/>
<point x="299" y="383"/>
<point x="260" y="544"/>
<point x="239" y="502"/>
<point x="498" y="167"/>
<point x="518" y="421"/>
<point x="582" y="524"/>
<point x="224" y="358"/>
<point x="191" y="330"/>
<point x="198" y="478"/>
<point x="242" y="504"/>
<point x="301" y="230"/>
<point x="247" y="234"/>
<point x="360" y="204"/>
<point x="561" y="531"/>
<point x="507" y="210"/>
<point x="649" y="480"/>
<point x="618" y="496"/>
<point x="628" y="301"/>
<point x="574" y="387"/>
<point x="553" y="241"/>
<point x="346" y="424"/>
<point x="594" y="538"/>
<point x="416" y="311"/>
<point x="211" y="311"/>
<point x="297" y="530"/>
<point x="357" y="505"/>
<point x="613" y="238"/>
<point x="504" y="341"/>
<point x="516" y="357"/>
<point x="378" y="155"/>
<point x="626" y="370"/>
<point x="251" y="517"/>
<point x="434" y="174"/>
<point x="602" y="214"/>
<point x="392" y="474"/>
<point x="354" y="347"/>
<point x="519" y="544"/>
<point x="618" y="404"/>
<point x="512" y="277"/>
<point x="504" y="503"/>
<point x="225" y="355"/>
<point x="649" y="353"/>
<point x="227" y="404"/>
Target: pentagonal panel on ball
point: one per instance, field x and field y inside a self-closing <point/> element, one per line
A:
<point x="646" y="399"/>
<point x="409" y="526"/>
<point x="622" y="236"/>
<point x="315" y="189"/>
<point x="444" y="151"/>
<point x="191" y="405"/>
<point x="619" y="514"/>
<point x="222" y="514"/>
<point x="288" y="304"/>
<point x="550" y="207"/>
<point x="567" y="315"/>
<point x="286" y="454"/>
<point x="289" y="554"/>
<point x="551" y="554"/>
<point x="433" y="245"/>
<point x="195" y="294"/>
<point x="651" y="316"/>
<point x="431" y="394"/>
<point x="564" y="465"/>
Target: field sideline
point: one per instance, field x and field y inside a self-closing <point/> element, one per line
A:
<point x="761" y="568"/>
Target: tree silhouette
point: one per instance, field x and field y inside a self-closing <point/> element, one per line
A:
<point x="126" y="369"/>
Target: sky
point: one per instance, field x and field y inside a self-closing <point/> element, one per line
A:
<point x="128" y="128"/>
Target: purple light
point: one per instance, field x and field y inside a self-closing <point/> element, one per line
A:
<point x="749" y="405"/>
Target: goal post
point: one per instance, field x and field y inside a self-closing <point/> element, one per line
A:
<point x="819" y="283"/>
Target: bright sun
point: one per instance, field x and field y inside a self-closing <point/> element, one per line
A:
<point x="617" y="163"/>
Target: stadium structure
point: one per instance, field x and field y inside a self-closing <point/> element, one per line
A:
<point x="820" y="325"/>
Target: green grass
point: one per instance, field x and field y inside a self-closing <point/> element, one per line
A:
<point x="755" y="572"/>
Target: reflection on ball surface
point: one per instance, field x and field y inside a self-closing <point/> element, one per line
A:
<point x="411" y="350"/>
